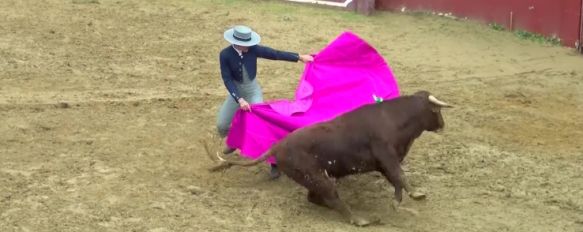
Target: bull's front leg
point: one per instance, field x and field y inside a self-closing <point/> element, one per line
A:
<point x="393" y="175"/>
<point x="398" y="195"/>
<point x="412" y="192"/>
<point x="391" y="168"/>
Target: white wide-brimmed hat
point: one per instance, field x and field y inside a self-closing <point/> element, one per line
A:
<point x="242" y="36"/>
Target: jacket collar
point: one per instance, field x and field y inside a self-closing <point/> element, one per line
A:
<point x="240" y="53"/>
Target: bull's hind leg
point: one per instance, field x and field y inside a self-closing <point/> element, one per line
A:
<point x="327" y="191"/>
<point x="341" y="207"/>
<point x="322" y="191"/>
<point x="316" y="199"/>
<point x="305" y="170"/>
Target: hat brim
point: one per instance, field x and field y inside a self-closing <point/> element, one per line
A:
<point x="255" y="38"/>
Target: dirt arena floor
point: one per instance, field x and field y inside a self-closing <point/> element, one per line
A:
<point x="102" y="104"/>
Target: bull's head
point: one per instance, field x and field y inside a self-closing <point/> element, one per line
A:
<point x="435" y="122"/>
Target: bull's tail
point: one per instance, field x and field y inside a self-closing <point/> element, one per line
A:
<point x="225" y="164"/>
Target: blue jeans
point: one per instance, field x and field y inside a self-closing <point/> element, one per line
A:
<point x="248" y="90"/>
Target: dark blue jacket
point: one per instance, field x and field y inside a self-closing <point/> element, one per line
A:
<point x="231" y="64"/>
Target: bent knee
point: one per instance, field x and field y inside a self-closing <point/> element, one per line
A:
<point x="222" y="129"/>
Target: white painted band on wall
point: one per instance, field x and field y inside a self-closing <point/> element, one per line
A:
<point x="340" y="4"/>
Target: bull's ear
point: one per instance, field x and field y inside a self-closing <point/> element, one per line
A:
<point x="435" y="108"/>
<point x="422" y="93"/>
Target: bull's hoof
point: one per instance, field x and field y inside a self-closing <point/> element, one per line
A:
<point x="359" y="221"/>
<point x="417" y="196"/>
<point x="395" y="205"/>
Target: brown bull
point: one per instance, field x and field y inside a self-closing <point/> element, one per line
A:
<point x="374" y="137"/>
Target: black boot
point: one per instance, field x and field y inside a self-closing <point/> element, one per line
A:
<point x="227" y="150"/>
<point x="275" y="173"/>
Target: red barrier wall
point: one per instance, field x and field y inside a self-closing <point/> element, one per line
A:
<point x="547" y="17"/>
<point x="581" y="30"/>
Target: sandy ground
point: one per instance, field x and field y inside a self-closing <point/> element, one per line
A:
<point x="102" y="105"/>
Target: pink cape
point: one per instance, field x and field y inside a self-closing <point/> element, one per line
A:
<point x="343" y="76"/>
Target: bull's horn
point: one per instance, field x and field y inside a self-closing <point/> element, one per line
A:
<point x="438" y="102"/>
